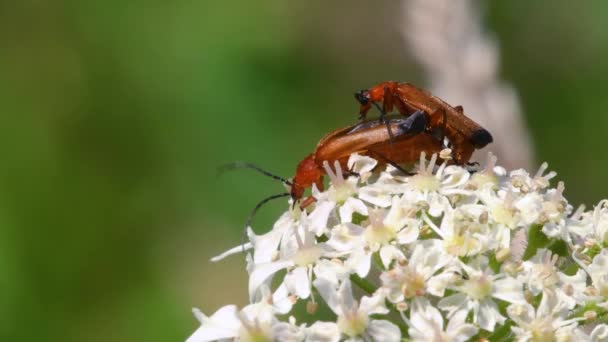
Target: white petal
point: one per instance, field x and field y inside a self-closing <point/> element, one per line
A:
<point x="281" y="301"/>
<point x="361" y="164"/>
<point x="329" y="293"/>
<point x="396" y="217"/>
<point x="331" y="271"/>
<point x="297" y="282"/>
<point x="267" y="244"/>
<point x="261" y="313"/>
<point x="388" y="253"/>
<point x="360" y="261"/>
<point x="319" y="216"/>
<point x="284" y="331"/>
<point x="383" y="331"/>
<point x="437" y="204"/>
<point x="231" y="251"/>
<point x="346" y="237"/>
<point x="352" y="205"/>
<point x="436" y="285"/>
<point x="375" y="196"/>
<point x="224" y="323"/>
<point x="263" y="272"/>
<point x="345" y="293"/>
<point x="409" y="233"/>
<point x="488" y="315"/>
<point x="425" y="321"/>
<point x="457" y="330"/>
<point x="199" y="315"/>
<point x="521" y="314"/>
<point x="323" y="332"/>
<point x="509" y="290"/>
<point x="453" y="303"/>
<point x="600" y="333"/>
<point x="373" y="305"/>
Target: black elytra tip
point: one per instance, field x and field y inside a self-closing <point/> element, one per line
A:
<point x="481" y="138"/>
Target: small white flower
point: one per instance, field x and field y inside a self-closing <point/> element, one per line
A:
<point x="323" y="332"/>
<point x="255" y="322"/>
<point x="598" y="272"/>
<point x="341" y="188"/>
<point x="288" y="331"/>
<point x="501" y="205"/>
<point x="489" y="176"/>
<point x="298" y="253"/>
<point x="362" y="165"/>
<point x="521" y="180"/>
<point x="593" y="226"/>
<point x="547" y="323"/>
<point x="542" y="274"/>
<point x="458" y="239"/>
<point x="427" y="324"/>
<point x="353" y="317"/>
<point x="598" y="333"/>
<point x="224" y="323"/>
<point x="477" y="293"/>
<point x="423" y="274"/>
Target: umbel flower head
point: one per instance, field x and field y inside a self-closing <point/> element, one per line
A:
<point x="444" y="255"/>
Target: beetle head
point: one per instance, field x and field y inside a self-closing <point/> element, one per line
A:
<point x="362" y="96"/>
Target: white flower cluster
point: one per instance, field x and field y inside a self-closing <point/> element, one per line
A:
<point x="443" y="255"/>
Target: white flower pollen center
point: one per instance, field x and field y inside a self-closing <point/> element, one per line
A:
<point x="307" y="255"/>
<point x="478" y="287"/>
<point x="353" y="323"/>
<point x="425" y="182"/>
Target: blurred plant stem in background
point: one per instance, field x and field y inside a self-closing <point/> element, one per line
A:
<point x="115" y="115"/>
<point x="462" y="64"/>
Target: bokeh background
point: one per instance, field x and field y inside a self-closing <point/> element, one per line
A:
<point x="115" y="114"/>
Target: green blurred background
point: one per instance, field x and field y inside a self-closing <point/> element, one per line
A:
<point x="115" y="115"/>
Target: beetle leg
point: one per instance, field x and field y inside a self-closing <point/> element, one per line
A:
<point x="308" y="201"/>
<point x="319" y="184"/>
<point x="388" y="161"/>
<point x="472" y="167"/>
<point x="383" y="119"/>
<point x="311" y="199"/>
<point x="387" y="101"/>
<point x="415" y="123"/>
<point x="439" y="133"/>
<point x="351" y="173"/>
<point x="363" y="111"/>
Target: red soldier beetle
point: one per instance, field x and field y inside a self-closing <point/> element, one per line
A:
<point x="369" y="138"/>
<point x="464" y="134"/>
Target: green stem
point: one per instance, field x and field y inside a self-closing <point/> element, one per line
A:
<point x="363" y="284"/>
<point x="370" y="288"/>
<point x="377" y="261"/>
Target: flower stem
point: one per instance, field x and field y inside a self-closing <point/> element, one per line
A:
<point x="370" y="288"/>
<point x="363" y="284"/>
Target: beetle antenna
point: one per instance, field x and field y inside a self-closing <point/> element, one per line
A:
<point x="246" y="165"/>
<point x="255" y="209"/>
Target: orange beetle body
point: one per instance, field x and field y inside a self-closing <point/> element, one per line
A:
<point x="371" y="139"/>
<point x="464" y="134"/>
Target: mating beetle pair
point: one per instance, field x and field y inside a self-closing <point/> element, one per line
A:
<point x="426" y="120"/>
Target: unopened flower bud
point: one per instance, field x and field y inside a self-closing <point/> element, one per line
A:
<point x="311" y="307"/>
<point x="401" y="306"/>
<point x="590" y="315"/>
<point x="503" y="254"/>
